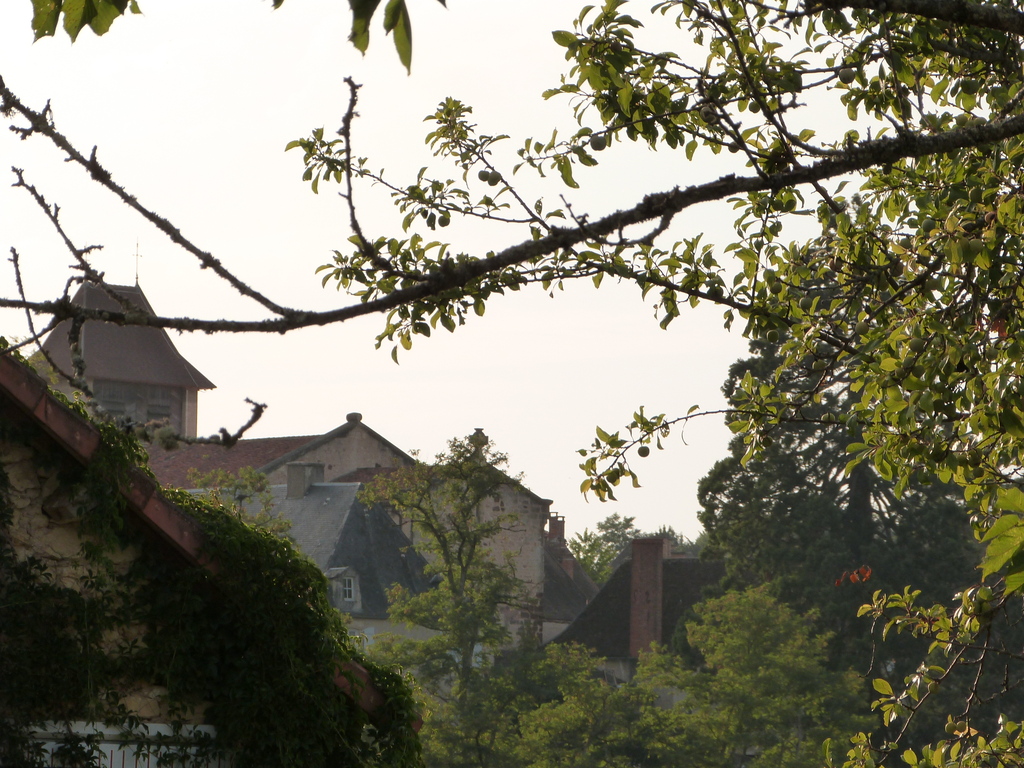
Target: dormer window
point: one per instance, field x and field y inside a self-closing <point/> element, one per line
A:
<point x="345" y="595"/>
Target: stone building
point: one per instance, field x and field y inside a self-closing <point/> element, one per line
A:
<point x="136" y="372"/>
<point x="52" y="581"/>
<point x="315" y="480"/>
<point x="133" y="371"/>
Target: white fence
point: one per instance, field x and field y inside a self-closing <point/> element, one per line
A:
<point x="148" y="746"/>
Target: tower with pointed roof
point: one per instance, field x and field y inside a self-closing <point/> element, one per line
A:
<point x="133" y="371"/>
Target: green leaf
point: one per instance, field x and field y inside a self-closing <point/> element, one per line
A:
<point x="1003" y="548"/>
<point x="1011" y="499"/>
<point x="106" y="12"/>
<point x="362" y="12"/>
<point x="396" y="20"/>
<point x="882" y="686"/>
<point x="565" y="168"/>
<point x="563" y="38"/>
<point x="1000" y="526"/>
<point x="1014" y="581"/>
<point x="45" y="14"/>
<point x="76" y="16"/>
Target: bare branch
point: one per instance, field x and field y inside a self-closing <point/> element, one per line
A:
<point x="42" y="123"/>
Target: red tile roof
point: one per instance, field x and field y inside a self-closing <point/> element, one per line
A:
<point x="172" y="467"/>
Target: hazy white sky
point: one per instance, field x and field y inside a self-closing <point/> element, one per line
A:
<point x="191" y="105"/>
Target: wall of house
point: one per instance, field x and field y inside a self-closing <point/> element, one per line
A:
<point x="524" y="540"/>
<point x="356" y="449"/>
<point x="45" y="526"/>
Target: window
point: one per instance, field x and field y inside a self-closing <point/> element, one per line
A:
<point x="348" y="588"/>
<point x="141" y="402"/>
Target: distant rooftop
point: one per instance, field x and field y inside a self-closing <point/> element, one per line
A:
<point x="134" y="354"/>
<point x="172" y="467"/>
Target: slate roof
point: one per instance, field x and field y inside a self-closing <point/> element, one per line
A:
<point x="363" y="474"/>
<point x="604" y="624"/>
<point x="564" y="596"/>
<point x="135" y="354"/>
<point x="336" y="530"/>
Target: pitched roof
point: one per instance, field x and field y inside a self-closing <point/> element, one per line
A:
<point x="603" y="625"/>
<point x="24" y="396"/>
<point x="136" y="354"/>
<point x="264" y="454"/>
<point x="565" y="595"/>
<point x="171" y="467"/>
<point x="336" y="530"/>
<point x="363" y="474"/>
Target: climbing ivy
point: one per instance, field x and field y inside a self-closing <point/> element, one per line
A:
<point x="251" y="649"/>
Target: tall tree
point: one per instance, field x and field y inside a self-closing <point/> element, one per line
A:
<point x="444" y="502"/>
<point x="826" y="538"/>
<point x="597" y="550"/>
<point x="763" y="695"/>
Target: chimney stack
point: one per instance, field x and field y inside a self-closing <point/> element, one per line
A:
<point x="301" y="475"/>
<point x="556" y="528"/>
<point x="645" y="594"/>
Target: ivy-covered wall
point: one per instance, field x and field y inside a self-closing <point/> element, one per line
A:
<point x="101" y="622"/>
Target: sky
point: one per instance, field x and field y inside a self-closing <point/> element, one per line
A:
<point x="190" y="106"/>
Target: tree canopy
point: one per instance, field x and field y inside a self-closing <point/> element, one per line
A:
<point x="466" y="612"/>
<point x="826" y="538"/>
<point x="761" y="696"/>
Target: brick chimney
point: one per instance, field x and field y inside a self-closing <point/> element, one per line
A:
<point x="301" y="475"/>
<point x="645" y="593"/>
<point x="556" y="528"/>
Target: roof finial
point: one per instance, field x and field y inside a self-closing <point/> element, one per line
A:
<point x="137" y="257"/>
<point x="479" y="441"/>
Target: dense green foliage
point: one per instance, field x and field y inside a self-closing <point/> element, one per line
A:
<point x="825" y="536"/>
<point x="256" y="642"/>
<point x="449" y="504"/>
<point x="760" y="697"/>
<point x="763" y="694"/>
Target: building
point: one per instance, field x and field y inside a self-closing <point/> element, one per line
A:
<point x="315" y="480"/>
<point x="133" y="371"/>
<point x="137" y="372"/>
<point x="350" y="448"/>
<point x="642" y="602"/>
<point x="61" y="607"/>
